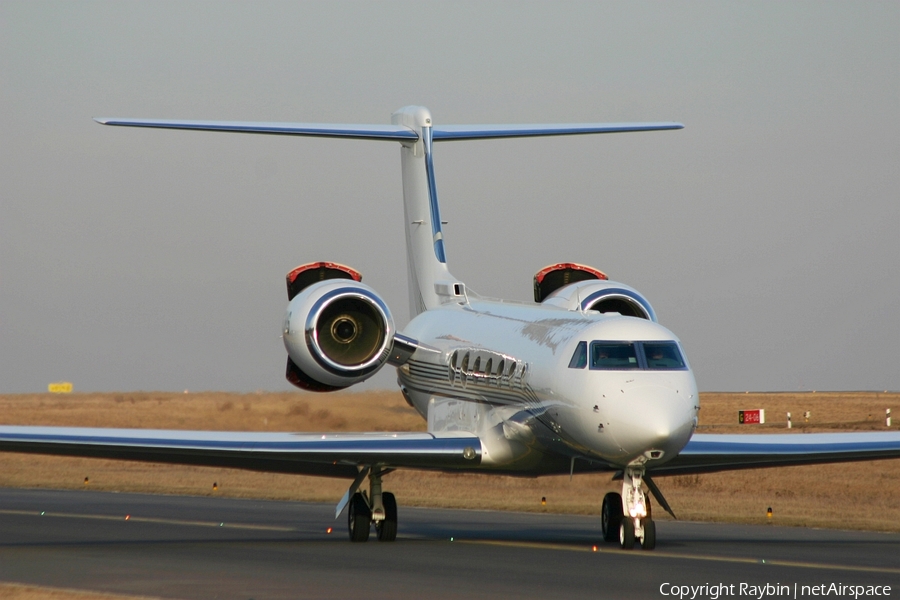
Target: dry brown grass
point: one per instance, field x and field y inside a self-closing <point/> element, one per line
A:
<point x="11" y="591"/>
<point x="829" y="411"/>
<point x="825" y="495"/>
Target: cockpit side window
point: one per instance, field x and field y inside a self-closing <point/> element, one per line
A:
<point x="663" y="356"/>
<point x="579" y="358"/>
<point x="613" y="356"/>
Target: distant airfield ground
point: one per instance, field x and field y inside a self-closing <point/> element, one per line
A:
<point x="859" y="495"/>
<point x="13" y="591"/>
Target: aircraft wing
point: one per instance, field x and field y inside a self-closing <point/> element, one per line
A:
<point x="326" y="454"/>
<point x="708" y="453"/>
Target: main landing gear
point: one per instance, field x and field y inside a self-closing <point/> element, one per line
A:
<point x="375" y="507"/>
<point x="626" y="517"/>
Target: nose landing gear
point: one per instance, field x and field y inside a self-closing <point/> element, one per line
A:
<point x="626" y="518"/>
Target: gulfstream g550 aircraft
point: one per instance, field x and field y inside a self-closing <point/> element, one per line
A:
<point x="584" y="379"/>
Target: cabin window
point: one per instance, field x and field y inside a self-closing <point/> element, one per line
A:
<point x="579" y="358"/>
<point x="613" y="356"/>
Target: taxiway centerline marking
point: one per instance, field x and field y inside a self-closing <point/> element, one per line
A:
<point x="132" y="519"/>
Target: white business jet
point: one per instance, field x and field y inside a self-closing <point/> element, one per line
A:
<point x="584" y="379"/>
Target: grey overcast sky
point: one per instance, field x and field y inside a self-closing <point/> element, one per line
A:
<point x="766" y="233"/>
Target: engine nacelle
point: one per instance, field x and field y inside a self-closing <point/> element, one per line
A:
<point x="602" y="296"/>
<point x="337" y="332"/>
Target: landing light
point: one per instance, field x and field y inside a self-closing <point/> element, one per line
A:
<point x="638" y="511"/>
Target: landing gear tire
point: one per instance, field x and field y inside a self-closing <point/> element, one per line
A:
<point x="611" y="516"/>
<point x="626" y="534"/>
<point x="387" y="528"/>
<point x="649" y="540"/>
<point x="359" y="518"/>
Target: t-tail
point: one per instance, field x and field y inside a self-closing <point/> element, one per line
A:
<point x="337" y="330"/>
<point x="430" y="282"/>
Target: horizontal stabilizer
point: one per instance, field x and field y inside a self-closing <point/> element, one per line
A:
<point x="396" y="133"/>
<point x="368" y="132"/>
<point x="481" y="132"/>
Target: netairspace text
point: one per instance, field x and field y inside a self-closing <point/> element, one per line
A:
<point x="714" y="591"/>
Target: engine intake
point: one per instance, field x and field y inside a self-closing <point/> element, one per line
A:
<point x="350" y="330"/>
<point x="337" y="332"/>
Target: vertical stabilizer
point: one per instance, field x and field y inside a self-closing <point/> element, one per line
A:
<point x="430" y="283"/>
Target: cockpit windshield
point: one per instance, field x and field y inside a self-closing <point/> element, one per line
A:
<point x="663" y="356"/>
<point x="613" y="355"/>
<point x="617" y="356"/>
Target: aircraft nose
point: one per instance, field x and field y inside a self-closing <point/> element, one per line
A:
<point x="650" y="417"/>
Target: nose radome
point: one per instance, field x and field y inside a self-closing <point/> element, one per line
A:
<point x="650" y="417"/>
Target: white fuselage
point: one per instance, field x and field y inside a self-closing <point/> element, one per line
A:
<point x="501" y="370"/>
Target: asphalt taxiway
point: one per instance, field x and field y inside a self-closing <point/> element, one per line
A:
<point x="189" y="547"/>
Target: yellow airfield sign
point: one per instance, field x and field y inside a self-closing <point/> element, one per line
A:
<point x="60" y="387"/>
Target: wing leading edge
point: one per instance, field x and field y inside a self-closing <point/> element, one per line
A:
<point x="708" y="453"/>
<point x="325" y="454"/>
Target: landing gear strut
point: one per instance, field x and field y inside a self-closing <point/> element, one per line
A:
<point x="626" y="518"/>
<point x="377" y="507"/>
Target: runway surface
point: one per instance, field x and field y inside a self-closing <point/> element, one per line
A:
<point x="188" y="547"/>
